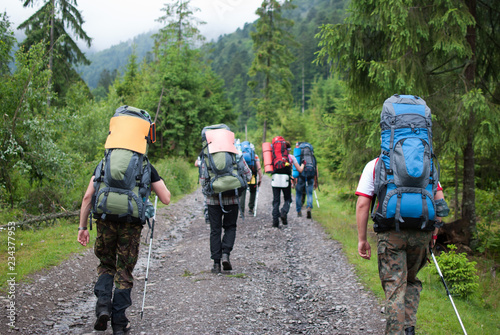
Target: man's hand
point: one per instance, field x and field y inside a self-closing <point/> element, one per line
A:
<point x="83" y="237"/>
<point x="433" y="241"/>
<point x="364" y="249"/>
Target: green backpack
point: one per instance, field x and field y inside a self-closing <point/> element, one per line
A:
<point x="122" y="179"/>
<point x="222" y="168"/>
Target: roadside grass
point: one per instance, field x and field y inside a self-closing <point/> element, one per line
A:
<point x="40" y="248"/>
<point x="49" y="245"/>
<point x="480" y="313"/>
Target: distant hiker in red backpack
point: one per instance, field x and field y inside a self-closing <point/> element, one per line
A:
<point x="283" y="161"/>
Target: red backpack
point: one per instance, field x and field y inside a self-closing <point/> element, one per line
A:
<point x="281" y="163"/>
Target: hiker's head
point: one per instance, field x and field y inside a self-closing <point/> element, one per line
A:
<point x="288" y="146"/>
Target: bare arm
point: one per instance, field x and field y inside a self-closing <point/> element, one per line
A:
<point x="259" y="171"/>
<point x="362" y="214"/>
<point x="161" y="191"/>
<point x="439" y="195"/>
<point x="299" y="168"/>
<point x="83" y="235"/>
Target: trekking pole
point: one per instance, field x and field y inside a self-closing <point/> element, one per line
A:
<point x="256" y="201"/>
<point x="149" y="257"/>
<point x="316" y="195"/>
<point x="447" y="291"/>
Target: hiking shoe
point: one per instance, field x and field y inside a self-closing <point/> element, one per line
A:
<point x="216" y="268"/>
<point x="410" y="331"/>
<point x="284" y="220"/>
<point x="226" y="265"/>
<point x="276" y="224"/>
<point x="102" y="321"/>
<point x="309" y="216"/>
<point x="250" y="211"/>
<point x="122" y="331"/>
<point x="299" y="214"/>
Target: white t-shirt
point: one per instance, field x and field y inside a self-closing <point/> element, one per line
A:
<point x="366" y="185"/>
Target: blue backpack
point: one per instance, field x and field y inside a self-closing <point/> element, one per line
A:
<point x="249" y="155"/>
<point x="406" y="176"/>
<point x="307" y="156"/>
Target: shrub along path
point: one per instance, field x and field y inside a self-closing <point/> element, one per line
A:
<point x="292" y="280"/>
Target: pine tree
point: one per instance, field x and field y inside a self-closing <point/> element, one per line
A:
<point x="48" y="24"/>
<point x="271" y="65"/>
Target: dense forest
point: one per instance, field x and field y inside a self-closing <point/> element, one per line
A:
<point x="315" y="70"/>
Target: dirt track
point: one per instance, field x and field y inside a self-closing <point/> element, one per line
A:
<point x="292" y="280"/>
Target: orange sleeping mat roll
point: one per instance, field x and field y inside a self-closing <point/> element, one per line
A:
<point x="128" y="132"/>
<point x="220" y="140"/>
<point x="268" y="157"/>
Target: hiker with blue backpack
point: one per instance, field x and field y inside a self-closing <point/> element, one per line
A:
<point x="307" y="180"/>
<point x="253" y="162"/>
<point x="401" y="188"/>
<point x="224" y="175"/>
<point x="117" y="196"/>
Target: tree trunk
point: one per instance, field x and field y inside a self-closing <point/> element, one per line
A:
<point x="303" y="90"/>
<point x="456" y="205"/>
<point x="264" y="131"/>
<point x="45" y="218"/>
<point x="51" y="47"/>
<point x="469" y="197"/>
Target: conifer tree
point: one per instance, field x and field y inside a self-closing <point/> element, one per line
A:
<point x="272" y="59"/>
<point x="48" y="24"/>
<point x="179" y="87"/>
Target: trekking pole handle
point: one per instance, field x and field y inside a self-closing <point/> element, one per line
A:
<point x="154" y="217"/>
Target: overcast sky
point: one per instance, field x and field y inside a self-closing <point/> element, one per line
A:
<point x="109" y="22"/>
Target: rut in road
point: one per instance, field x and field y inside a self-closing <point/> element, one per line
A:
<point x="292" y="280"/>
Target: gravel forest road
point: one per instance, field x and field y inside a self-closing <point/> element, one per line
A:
<point x="292" y="280"/>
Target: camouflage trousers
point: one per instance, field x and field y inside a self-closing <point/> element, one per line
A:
<point x="117" y="247"/>
<point x="400" y="256"/>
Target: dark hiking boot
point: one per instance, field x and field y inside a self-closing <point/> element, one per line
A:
<point x="410" y="331"/>
<point x="121" y="301"/>
<point x="284" y="220"/>
<point x="276" y="224"/>
<point x="309" y="216"/>
<point x="250" y="211"/>
<point x="102" y="321"/>
<point x="226" y="264"/>
<point x="122" y="331"/>
<point x="103" y="290"/>
<point x="216" y="268"/>
<point x="299" y="214"/>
